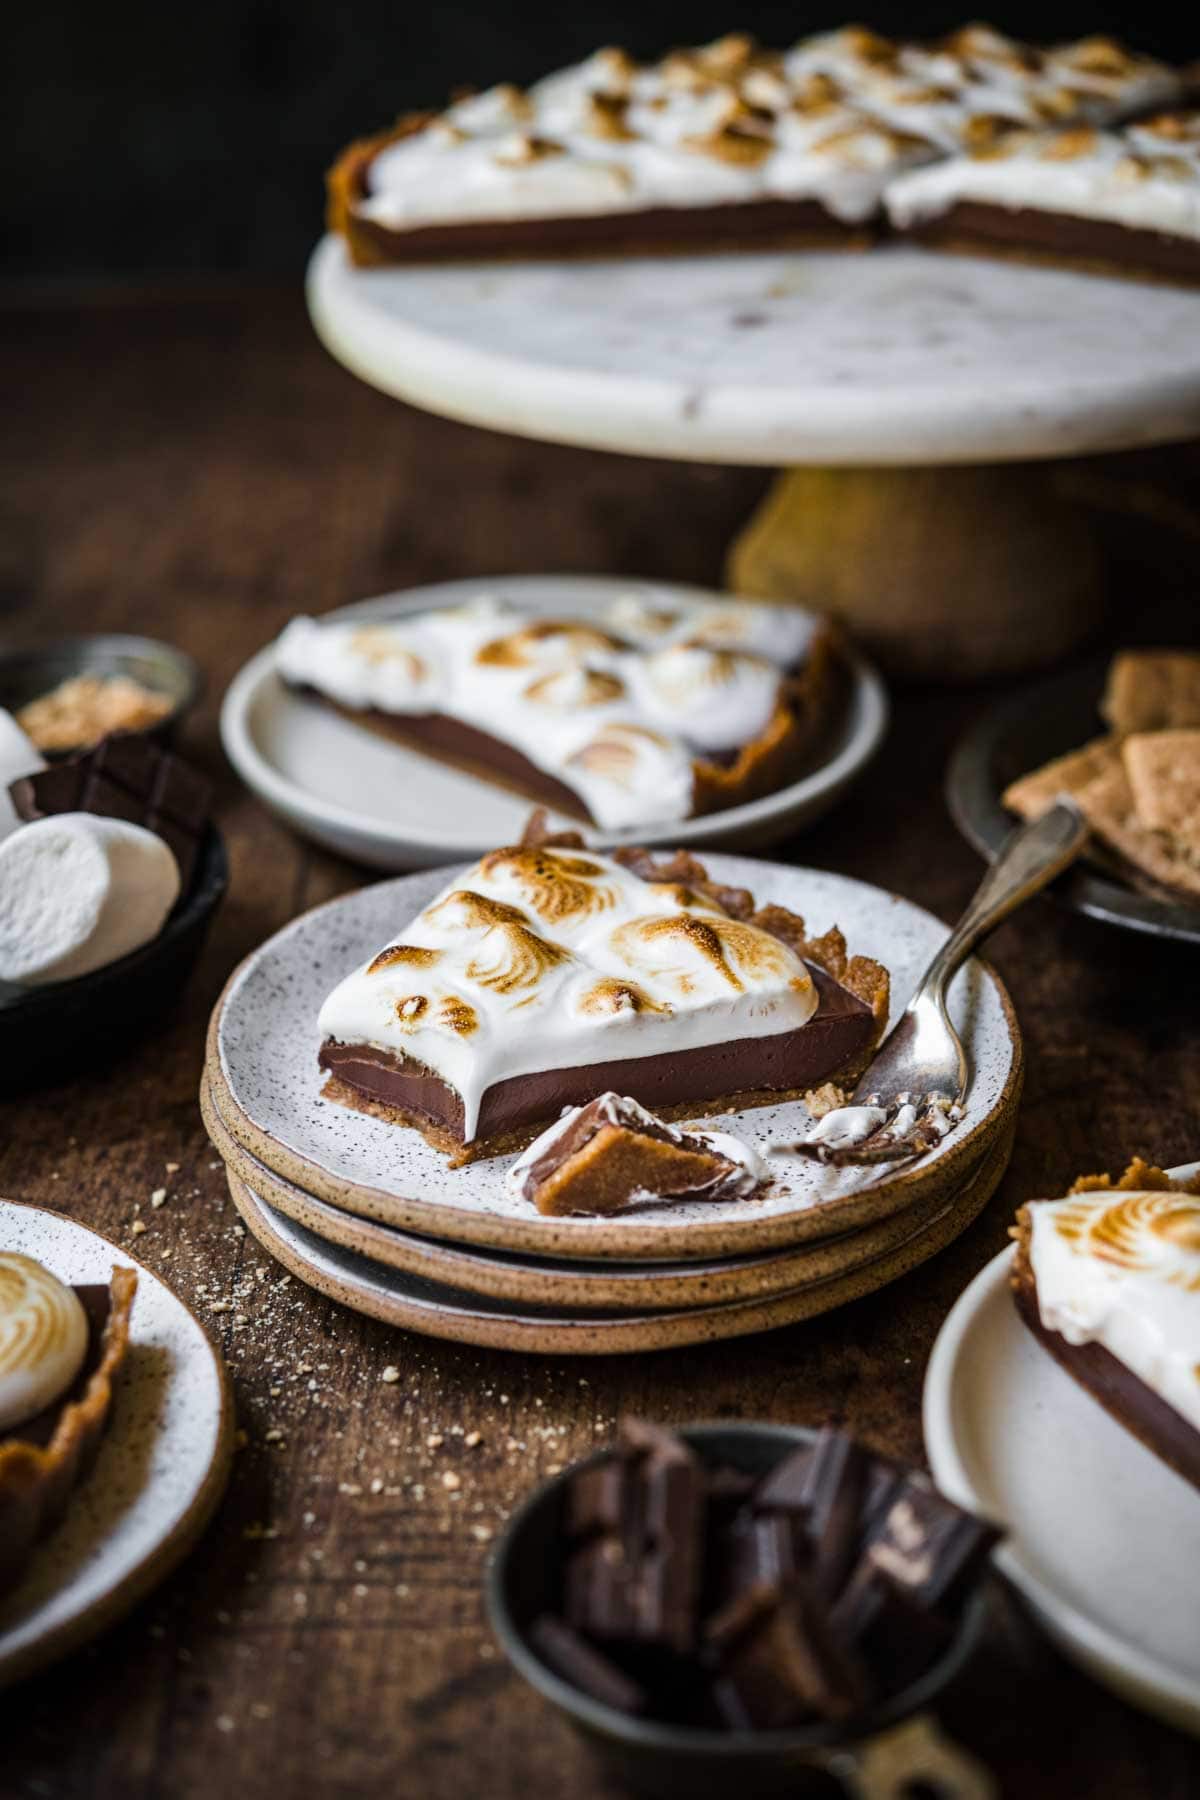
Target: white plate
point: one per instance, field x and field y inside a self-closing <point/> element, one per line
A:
<point x="162" y="1467"/>
<point x="382" y="804"/>
<point x="1104" y="1538"/>
<point x="901" y="356"/>
<point x="264" y="1045"/>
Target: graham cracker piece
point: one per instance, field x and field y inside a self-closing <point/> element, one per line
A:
<point x="1108" y="805"/>
<point x="1163" y="768"/>
<point x="1152" y="690"/>
<point x="1032" y="795"/>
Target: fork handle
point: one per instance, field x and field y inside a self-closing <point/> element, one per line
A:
<point x="1029" y="859"/>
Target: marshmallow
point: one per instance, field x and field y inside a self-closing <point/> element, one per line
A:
<point x="78" y="892"/>
<point x="18" y="757"/>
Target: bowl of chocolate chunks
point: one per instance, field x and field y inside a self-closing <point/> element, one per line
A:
<point x="751" y="1609"/>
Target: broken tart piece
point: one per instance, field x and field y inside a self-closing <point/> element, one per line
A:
<point x="61" y="1349"/>
<point x="1108" y="1280"/>
<point x="612" y="1154"/>
<point x="548" y="975"/>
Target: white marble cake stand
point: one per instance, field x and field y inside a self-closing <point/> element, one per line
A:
<point x="887" y="378"/>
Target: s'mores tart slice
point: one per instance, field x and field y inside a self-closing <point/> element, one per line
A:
<point x="61" y="1348"/>
<point x="1108" y="1280"/>
<point x="548" y="975"/>
<point x="1119" y="202"/>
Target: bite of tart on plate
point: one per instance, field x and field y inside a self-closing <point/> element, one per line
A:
<point x="61" y="1351"/>
<point x="549" y="975"/>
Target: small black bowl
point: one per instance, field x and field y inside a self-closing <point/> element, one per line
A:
<point x="670" y="1760"/>
<point x="26" y="675"/>
<point x="54" y="1030"/>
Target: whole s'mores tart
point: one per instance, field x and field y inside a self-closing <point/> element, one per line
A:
<point x="548" y="975"/>
<point x="655" y="710"/>
<point x="1108" y="1279"/>
<point x="716" y="147"/>
<point x="1123" y="202"/>
<point x="61" y="1349"/>
<point x="723" y="146"/>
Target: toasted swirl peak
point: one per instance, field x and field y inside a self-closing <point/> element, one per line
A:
<point x="680" y="947"/>
<point x="43" y="1338"/>
<point x="376" y="644"/>
<point x="514" y="957"/>
<point x="477" y="912"/>
<point x="610" y="996"/>
<point x="545" y="640"/>
<point x="413" y="956"/>
<point x="1151" y="1233"/>
<point x="555" y="885"/>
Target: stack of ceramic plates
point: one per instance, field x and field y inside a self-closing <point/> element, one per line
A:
<point x="368" y="1213"/>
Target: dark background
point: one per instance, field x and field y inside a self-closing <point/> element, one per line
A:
<point x="150" y="138"/>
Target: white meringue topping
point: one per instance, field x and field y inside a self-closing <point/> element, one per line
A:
<point x="542" y="959"/>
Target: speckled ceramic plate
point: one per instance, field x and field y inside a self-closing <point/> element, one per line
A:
<point x="1103" y="1538"/>
<point x="383" y="804"/>
<point x="163" y="1463"/>
<point x="571" y="1283"/>
<point x="544" y="1281"/>
<point x="436" y="1310"/>
<point x="266" y="1085"/>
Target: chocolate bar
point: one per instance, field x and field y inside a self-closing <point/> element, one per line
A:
<point x="130" y="778"/>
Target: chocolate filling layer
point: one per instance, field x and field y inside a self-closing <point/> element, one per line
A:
<point x="1122" y="1393"/>
<point x="787" y="1060"/>
<point x="736" y="223"/>
<point x="1061" y="235"/>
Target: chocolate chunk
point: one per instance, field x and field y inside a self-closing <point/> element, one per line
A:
<point x="896" y="1637"/>
<point x="757" y="1549"/>
<point x="828" y="1484"/>
<point x="584" y="1666"/>
<point x="637" y="1574"/>
<point x="129" y="778"/>
<point x="926" y="1544"/>
<point x="780" y="1660"/>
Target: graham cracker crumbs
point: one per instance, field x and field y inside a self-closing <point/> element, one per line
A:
<point x="158" y="1197"/>
<point x="137" y="1227"/>
<point x="472" y="1438"/>
<point x="80" y="711"/>
<point x="451" y="1480"/>
<point x="390" y="1374"/>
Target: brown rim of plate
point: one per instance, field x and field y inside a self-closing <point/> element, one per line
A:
<point x="623" y="1242"/>
<point x="639" y="1289"/>
<point x="634" y="1334"/>
<point x="112" y="1605"/>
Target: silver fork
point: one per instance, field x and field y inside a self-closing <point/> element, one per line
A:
<point x="920" y="1074"/>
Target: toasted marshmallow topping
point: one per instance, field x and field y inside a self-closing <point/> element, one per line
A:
<point x="1122" y="1269"/>
<point x="748" y="1173"/>
<point x="616" y="712"/>
<point x="706" y="127"/>
<point x="1145" y="177"/>
<point x="545" y="959"/>
<point x="43" y="1338"/>
<point x="830" y="120"/>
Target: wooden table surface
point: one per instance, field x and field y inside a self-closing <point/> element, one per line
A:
<point x="190" y="464"/>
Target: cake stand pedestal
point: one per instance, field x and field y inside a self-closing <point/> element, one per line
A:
<point x="908" y="397"/>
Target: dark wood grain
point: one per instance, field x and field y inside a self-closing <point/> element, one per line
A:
<point x="192" y="465"/>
